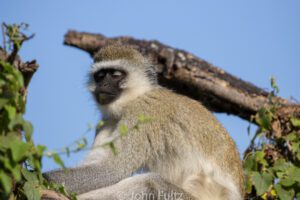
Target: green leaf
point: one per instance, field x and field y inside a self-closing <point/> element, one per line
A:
<point x="248" y="185"/>
<point x="40" y="149"/>
<point x="264" y="118"/>
<point x="294" y="173"/>
<point x="73" y="196"/>
<point x="11" y="111"/>
<point x="19" y="150"/>
<point x="268" y="178"/>
<point x="80" y="144"/>
<point x="6" y="162"/>
<point x="6" y="141"/>
<point x="30" y="176"/>
<point x="67" y="149"/>
<point x="286" y="182"/>
<point x="16" y="172"/>
<point x="58" y="160"/>
<point x="260" y="157"/>
<point x="280" y="165"/>
<point x="20" y="78"/>
<point x="3" y="102"/>
<point x="28" y="129"/>
<point x="144" y="119"/>
<point x="295" y="146"/>
<point x="280" y="174"/>
<point x="18" y="120"/>
<point x="274" y="85"/>
<point x="113" y="148"/>
<point x="250" y="163"/>
<point x="292" y="136"/>
<point x="282" y="193"/>
<point x="6" y="182"/>
<point x="295" y="122"/>
<point x="99" y="125"/>
<point x="34" y="162"/>
<point x="123" y="129"/>
<point x="261" y="182"/>
<point x="32" y="191"/>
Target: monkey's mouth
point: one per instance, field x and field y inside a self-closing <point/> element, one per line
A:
<point x="106" y="97"/>
<point x="106" y="94"/>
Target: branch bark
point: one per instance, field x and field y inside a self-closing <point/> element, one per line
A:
<point x="187" y="74"/>
<point x="52" y="195"/>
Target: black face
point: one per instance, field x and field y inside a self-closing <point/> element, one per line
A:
<point x="108" y="83"/>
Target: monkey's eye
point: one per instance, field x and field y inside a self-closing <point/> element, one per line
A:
<point x="117" y="74"/>
<point x="99" y="75"/>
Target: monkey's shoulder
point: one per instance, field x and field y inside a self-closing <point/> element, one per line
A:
<point x="166" y="104"/>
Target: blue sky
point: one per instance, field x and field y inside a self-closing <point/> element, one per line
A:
<point x="250" y="39"/>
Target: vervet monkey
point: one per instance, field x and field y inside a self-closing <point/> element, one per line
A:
<point x="183" y="151"/>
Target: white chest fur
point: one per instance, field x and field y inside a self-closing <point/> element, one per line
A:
<point x="98" y="152"/>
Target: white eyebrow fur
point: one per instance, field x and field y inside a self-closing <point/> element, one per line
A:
<point x="118" y="64"/>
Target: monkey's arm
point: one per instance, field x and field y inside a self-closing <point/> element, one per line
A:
<point x="141" y="186"/>
<point x="84" y="178"/>
<point x="132" y="153"/>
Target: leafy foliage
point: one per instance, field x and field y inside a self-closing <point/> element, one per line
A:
<point x="20" y="158"/>
<point x="272" y="162"/>
<point x="16" y="154"/>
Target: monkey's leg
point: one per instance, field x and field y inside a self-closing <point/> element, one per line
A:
<point x="149" y="186"/>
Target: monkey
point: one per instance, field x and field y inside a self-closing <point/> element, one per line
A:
<point x="182" y="152"/>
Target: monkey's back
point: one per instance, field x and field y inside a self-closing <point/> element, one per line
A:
<point x="183" y="131"/>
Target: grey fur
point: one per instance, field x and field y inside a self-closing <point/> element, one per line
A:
<point x="183" y="148"/>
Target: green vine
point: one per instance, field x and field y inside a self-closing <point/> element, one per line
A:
<point x="272" y="162"/>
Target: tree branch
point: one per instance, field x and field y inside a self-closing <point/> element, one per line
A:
<point x="52" y="195"/>
<point x="187" y="74"/>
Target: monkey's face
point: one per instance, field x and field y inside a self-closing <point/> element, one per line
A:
<point x="108" y="85"/>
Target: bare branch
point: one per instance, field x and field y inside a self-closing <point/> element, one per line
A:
<point x="52" y="195"/>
